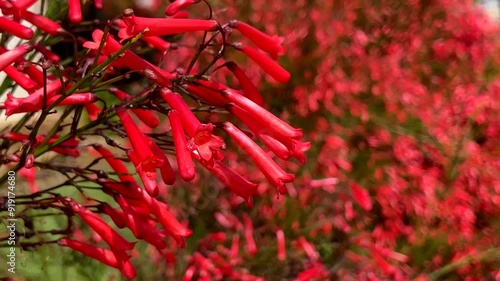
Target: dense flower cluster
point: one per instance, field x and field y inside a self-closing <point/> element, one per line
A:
<point x="157" y="119"/>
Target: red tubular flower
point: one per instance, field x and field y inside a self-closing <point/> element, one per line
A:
<point x="161" y="26"/>
<point x="248" y="233"/>
<point x="273" y="123"/>
<point x="19" y="78"/>
<point x="17" y="7"/>
<point x="167" y="219"/>
<point x="32" y="71"/>
<point x="156" y="43"/>
<point x="130" y="216"/>
<point x="139" y="225"/>
<point x="93" y="110"/>
<point x="269" y="65"/>
<point x="13" y="55"/>
<point x="234" y="181"/>
<point x="129" y="59"/>
<point x="361" y="196"/>
<point x="118" y="187"/>
<point x="33" y="102"/>
<point x="116" y="242"/>
<point x="146" y="116"/>
<point x="75" y="11"/>
<point x="279" y="149"/>
<point x="280" y="237"/>
<point x="180" y="15"/>
<point x="201" y="139"/>
<point x="15" y="105"/>
<point x="116" y="215"/>
<point x="184" y="161"/>
<point x="15" y="28"/>
<point x="206" y="144"/>
<point x="117" y="166"/>
<point x="268" y="44"/>
<point x="74" y="99"/>
<point x="107" y="257"/>
<point x="189" y="122"/>
<point x="176" y="6"/>
<point x="35" y="74"/>
<point x="45" y="24"/>
<point x="208" y="96"/>
<point x="147" y="161"/>
<point x="30" y="176"/>
<point x="248" y="87"/>
<point x="266" y="165"/>
<point x="48" y="54"/>
<point x="167" y="173"/>
<point x="149" y="183"/>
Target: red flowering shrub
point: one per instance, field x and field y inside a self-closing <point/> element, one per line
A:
<point x="397" y="98"/>
<point x="108" y="65"/>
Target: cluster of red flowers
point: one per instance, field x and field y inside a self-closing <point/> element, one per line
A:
<point x="166" y="121"/>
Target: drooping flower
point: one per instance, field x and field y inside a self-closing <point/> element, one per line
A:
<point x="15" y="28"/>
<point x="116" y="215"/>
<point x="184" y="161"/>
<point x="116" y="242"/>
<point x="43" y="23"/>
<point x="204" y="143"/>
<point x="167" y="219"/>
<point x="268" y="44"/>
<point x="15" y="105"/>
<point x="167" y="173"/>
<point x="105" y="256"/>
<point x="266" y="165"/>
<point x="48" y="54"/>
<point x="21" y="79"/>
<point x="139" y="225"/>
<point x="176" y="6"/>
<point x="75" y="11"/>
<point x="93" y="111"/>
<point x="9" y="57"/>
<point x="161" y="26"/>
<point x="249" y="89"/>
<point x="156" y="42"/>
<point x="34" y="101"/>
<point x="147" y="161"/>
<point x="148" y="181"/>
<point x="279" y="149"/>
<point x="270" y="66"/>
<point x="273" y="123"/>
<point x="207" y="91"/>
<point x="118" y="166"/>
<point x="232" y="180"/>
<point x="201" y="138"/>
